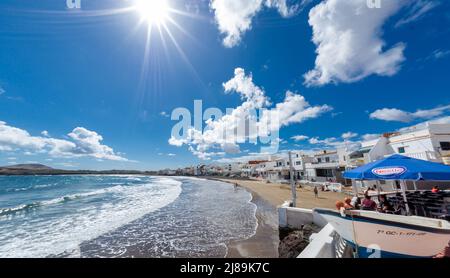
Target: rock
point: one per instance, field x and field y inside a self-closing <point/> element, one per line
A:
<point x="293" y="242"/>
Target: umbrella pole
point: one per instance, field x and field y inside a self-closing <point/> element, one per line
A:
<point x="355" y="188"/>
<point x="415" y="185"/>
<point x="403" y="187"/>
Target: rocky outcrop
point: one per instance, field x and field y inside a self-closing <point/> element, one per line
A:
<point x="293" y="242"/>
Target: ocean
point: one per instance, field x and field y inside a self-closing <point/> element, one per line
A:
<point x="121" y="216"/>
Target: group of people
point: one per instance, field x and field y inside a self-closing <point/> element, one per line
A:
<point x="366" y="204"/>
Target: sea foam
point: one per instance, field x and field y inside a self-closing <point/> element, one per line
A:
<point x="53" y="235"/>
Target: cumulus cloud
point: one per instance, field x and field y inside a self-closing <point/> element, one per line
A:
<point x="299" y="138"/>
<point x="349" y="135"/>
<point x="397" y="115"/>
<point x="417" y="10"/>
<point x="83" y="143"/>
<point x="347" y="35"/>
<point x="439" y="120"/>
<point x="370" y="136"/>
<point x="2" y="91"/>
<point x="344" y="142"/>
<point x="241" y="124"/>
<point x="234" y="17"/>
<point x="45" y="133"/>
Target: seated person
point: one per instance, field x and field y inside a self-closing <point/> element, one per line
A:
<point x="339" y="205"/>
<point x="384" y="205"/>
<point x="356" y="202"/>
<point x="348" y="203"/>
<point x="368" y="203"/>
<point x="435" y="189"/>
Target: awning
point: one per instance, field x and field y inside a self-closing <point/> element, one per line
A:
<point x="398" y="167"/>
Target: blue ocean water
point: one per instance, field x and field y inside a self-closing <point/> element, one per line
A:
<point x="121" y="216"/>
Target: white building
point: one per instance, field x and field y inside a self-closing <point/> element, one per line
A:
<point x="327" y="165"/>
<point x="250" y="169"/>
<point x="431" y="143"/>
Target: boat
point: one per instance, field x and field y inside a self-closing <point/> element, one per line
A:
<point x="378" y="235"/>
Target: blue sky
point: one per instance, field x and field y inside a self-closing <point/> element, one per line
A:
<point x="82" y="75"/>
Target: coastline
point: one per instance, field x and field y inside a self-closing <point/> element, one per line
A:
<point x="264" y="243"/>
<point x="267" y="198"/>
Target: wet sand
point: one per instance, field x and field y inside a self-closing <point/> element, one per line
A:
<point x="264" y="244"/>
<point x="268" y="197"/>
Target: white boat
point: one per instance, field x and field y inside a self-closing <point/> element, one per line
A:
<point x="379" y="235"/>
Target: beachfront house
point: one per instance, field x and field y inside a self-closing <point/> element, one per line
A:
<point x="327" y="166"/>
<point x="263" y="169"/>
<point x="250" y="169"/>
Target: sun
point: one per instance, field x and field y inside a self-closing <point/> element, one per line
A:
<point x="154" y="12"/>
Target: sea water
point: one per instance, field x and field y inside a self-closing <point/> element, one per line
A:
<point x="121" y="216"/>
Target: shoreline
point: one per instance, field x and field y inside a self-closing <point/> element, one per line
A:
<point x="264" y="243"/>
<point x="267" y="198"/>
<point x="258" y="245"/>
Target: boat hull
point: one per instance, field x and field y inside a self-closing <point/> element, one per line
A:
<point x="375" y="237"/>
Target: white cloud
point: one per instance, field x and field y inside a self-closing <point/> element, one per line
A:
<point x="245" y="158"/>
<point x="441" y="120"/>
<point x="2" y="91"/>
<point x="84" y="143"/>
<point x="284" y="9"/>
<point x="241" y="123"/>
<point x="369" y="137"/>
<point x="440" y="54"/>
<point x="397" y="115"/>
<point x="299" y="138"/>
<point x="171" y="154"/>
<point x="334" y="143"/>
<point x="418" y="9"/>
<point x="45" y="133"/>
<point x="67" y="164"/>
<point x="349" y="44"/>
<point x="234" y="17"/>
<point x="349" y="135"/>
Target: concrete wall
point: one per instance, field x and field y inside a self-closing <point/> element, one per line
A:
<point x="295" y="218"/>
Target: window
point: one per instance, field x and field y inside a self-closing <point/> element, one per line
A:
<point x="319" y="160"/>
<point x="327" y="159"/>
<point x="445" y="146"/>
<point x="401" y="150"/>
<point x="298" y="163"/>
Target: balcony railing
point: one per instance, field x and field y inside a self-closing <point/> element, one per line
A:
<point x="426" y="155"/>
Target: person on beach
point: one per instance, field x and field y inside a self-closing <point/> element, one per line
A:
<point x="316" y="192"/>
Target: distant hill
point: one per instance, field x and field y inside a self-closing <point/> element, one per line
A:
<point x="28" y="167"/>
<point x="40" y="169"/>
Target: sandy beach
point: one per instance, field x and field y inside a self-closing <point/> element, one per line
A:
<point x="267" y="197"/>
<point x="276" y="194"/>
